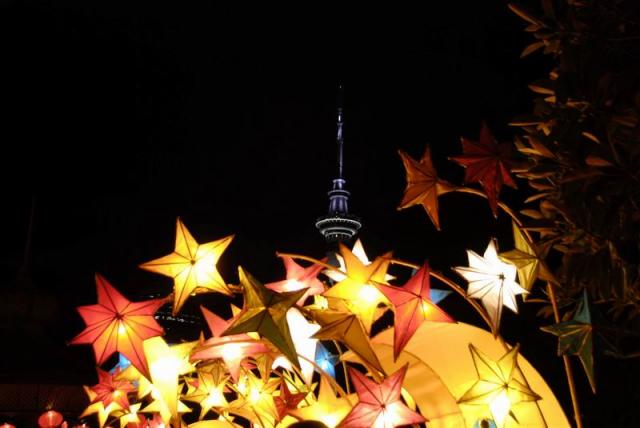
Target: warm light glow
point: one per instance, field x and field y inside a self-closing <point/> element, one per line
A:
<point x="202" y="267"/>
<point x="500" y="407"/>
<point x="215" y="398"/>
<point x="368" y="294"/>
<point x="292" y="285"/>
<point x="329" y="420"/>
<point x="231" y="351"/>
<point x="165" y="368"/>
<point x="121" y="328"/>
<point x="426" y="308"/>
<point x="254" y="395"/>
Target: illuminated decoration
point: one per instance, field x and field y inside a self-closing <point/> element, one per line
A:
<point x="50" y="419"/>
<point x="328" y="409"/>
<point x="357" y="288"/>
<point x="498" y="386"/>
<point x="166" y="364"/>
<point x="286" y="401"/>
<point x="222" y="422"/>
<point x="346" y="328"/>
<point x="257" y="394"/>
<point x="423" y="185"/>
<point x="487" y="162"/>
<point x="436" y="296"/>
<point x="116" y="324"/>
<point x="97" y="407"/>
<point x="7" y="425"/>
<point x="208" y="391"/>
<point x="411" y="307"/>
<point x="129" y="417"/>
<point x="326" y="360"/>
<point x="297" y="278"/>
<point x="575" y="337"/>
<point x="302" y="332"/>
<point x="360" y="253"/>
<point x="493" y="282"/>
<point x="192" y="266"/>
<point x="264" y="312"/>
<point x="379" y="404"/>
<point x="528" y="260"/>
<point x="232" y="349"/>
<point x="338" y="224"/>
<point x="109" y="390"/>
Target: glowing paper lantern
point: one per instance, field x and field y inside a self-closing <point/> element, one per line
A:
<point x="166" y="364"/>
<point x="411" y="307"/>
<point x="357" y="289"/>
<point x="286" y="401"/>
<point x="423" y="185"/>
<point x="264" y="312"/>
<point x="116" y="324"/>
<point x="50" y="419"/>
<point x="98" y="407"/>
<point x="497" y="387"/>
<point x="7" y="425"/>
<point x="379" y="404"/>
<point x="329" y="409"/>
<point x="302" y="332"/>
<point x="110" y="390"/>
<point x="528" y="260"/>
<point x="208" y="391"/>
<point x="232" y="349"/>
<point x="326" y="360"/>
<point x="487" y="162"/>
<point x="297" y="278"/>
<point x="492" y="281"/>
<point x="192" y="266"/>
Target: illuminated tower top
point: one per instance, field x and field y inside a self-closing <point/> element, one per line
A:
<point x="339" y="225"/>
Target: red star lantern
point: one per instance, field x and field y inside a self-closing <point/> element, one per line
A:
<point x="109" y="390"/>
<point x="116" y="324"/>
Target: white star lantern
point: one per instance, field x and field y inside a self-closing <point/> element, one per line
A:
<point x="493" y="282"/>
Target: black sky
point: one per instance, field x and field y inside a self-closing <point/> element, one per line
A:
<point x="120" y="117"/>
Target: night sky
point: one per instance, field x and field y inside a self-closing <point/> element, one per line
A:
<point x="121" y="116"/>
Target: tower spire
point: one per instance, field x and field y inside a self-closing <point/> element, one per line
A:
<point x="339" y="225"/>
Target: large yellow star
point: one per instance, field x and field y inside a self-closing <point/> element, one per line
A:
<point x="357" y="289"/>
<point x="328" y="409"/>
<point x="192" y="266"/>
<point x="207" y="390"/>
<point x="166" y="364"/>
<point x="500" y="384"/>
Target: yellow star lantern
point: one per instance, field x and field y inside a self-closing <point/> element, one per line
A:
<point x="256" y="394"/>
<point x="166" y="364"/>
<point x="356" y="286"/>
<point x="500" y="384"/>
<point x="328" y="409"/>
<point x="192" y="266"/>
<point x="528" y="260"/>
<point x="130" y="416"/>
<point x="208" y="391"/>
<point x="493" y="281"/>
<point x="98" y="407"/>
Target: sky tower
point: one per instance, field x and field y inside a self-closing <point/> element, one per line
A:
<point x="338" y="225"/>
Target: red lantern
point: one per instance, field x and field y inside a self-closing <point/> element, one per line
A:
<point x="50" y="419"/>
<point x="7" y="425"/>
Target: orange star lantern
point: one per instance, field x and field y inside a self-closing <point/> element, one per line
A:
<point x="115" y="324"/>
<point x="423" y="185"/>
<point x="111" y="390"/>
<point x="379" y="405"/>
<point x="192" y="266"/>
<point x="412" y="306"/>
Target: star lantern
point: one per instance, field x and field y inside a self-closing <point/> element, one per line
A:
<point x="302" y="332"/>
<point x="166" y="364"/>
<point x="264" y="312"/>
<point x="575" y="337"/>
<point x="500" y="384"/>
<point x="423" y="185"/>
<point x="192" y="266"/>
<point x="487" y="162"/>
<point x="208" y="391"/>
<point x="98" y="407"/>
<point x="328" y="409"/>
<point x="109" y="389"/>
<point x="297" y="278"/>
<point x="493" y="282"/>
<point x="357" y="287"/>
<point x="379" y="404"/>
<point x="232" y="349"/>
<point x="326" y="360"/>
<point x="412" y="306"/>
<point x="528" y="260"/>
<point x="115" y="324"/>
<point x="287" y="401"/>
